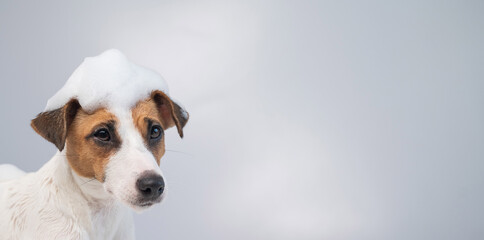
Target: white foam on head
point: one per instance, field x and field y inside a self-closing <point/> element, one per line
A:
<point x="109" y="80"/>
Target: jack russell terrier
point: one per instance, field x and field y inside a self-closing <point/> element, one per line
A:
<point x="108" y="123"/>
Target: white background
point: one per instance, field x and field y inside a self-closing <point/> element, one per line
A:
<point x="309" y="119"/>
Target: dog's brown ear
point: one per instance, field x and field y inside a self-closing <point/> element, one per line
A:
<point x="170" y="112"/>
<point x="53" y="125"/>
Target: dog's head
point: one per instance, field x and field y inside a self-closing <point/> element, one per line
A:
<point x="120" y="148"/>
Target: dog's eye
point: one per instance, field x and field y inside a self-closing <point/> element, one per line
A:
<point x="102" y="134"/>
<point x="155" y="132"/>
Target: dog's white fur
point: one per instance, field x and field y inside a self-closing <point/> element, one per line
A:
<point x="56" y="203"/>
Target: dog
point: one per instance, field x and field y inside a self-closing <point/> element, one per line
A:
<point x="110" y="141"/>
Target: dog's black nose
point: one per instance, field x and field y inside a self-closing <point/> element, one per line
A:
<point x="151" y="186"/>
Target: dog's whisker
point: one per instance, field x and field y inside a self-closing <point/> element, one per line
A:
<point x="90" y="180"/>
<point x="175" y="151"/>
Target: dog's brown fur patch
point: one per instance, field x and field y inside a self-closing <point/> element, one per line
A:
<point x="86" y="157"/>
<point x="144" y="112"/>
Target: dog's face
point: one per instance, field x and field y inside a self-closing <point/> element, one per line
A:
<point x="121" y="148"/>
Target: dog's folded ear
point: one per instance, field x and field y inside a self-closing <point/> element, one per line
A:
<point x="53" y="125"/>
<point x="170" y="112"/>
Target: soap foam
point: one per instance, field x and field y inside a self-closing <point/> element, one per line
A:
<point x="109" y="80"/>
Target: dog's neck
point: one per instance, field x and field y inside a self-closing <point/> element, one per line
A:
<point x="89" y="202"/>
<point x="93" y="191"/>
<point x="90" y="188"/>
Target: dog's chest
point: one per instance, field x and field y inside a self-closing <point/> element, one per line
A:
<point x="106" y="220"/>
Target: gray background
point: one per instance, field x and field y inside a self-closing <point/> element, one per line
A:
<point x="309" y="119"/>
